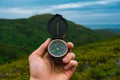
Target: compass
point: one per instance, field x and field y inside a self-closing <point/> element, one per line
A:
<point x="57" y="48"/>
<point x="57" y="27"/>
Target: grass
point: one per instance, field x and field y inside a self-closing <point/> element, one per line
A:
<point x="98" y="61"/>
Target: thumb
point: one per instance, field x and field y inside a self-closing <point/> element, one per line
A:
<point x="42" y="49"/>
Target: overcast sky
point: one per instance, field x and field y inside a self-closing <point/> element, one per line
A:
<point x="80" y="11"/>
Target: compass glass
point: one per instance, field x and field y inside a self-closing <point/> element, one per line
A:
<point x="57" y="48"/>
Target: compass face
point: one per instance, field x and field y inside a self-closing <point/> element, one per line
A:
<point x="57" y="48"/>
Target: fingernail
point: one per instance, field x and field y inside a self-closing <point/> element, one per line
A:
<point x="48" y="39"/>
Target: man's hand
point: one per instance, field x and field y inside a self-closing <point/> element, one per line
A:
<point x="41" y="66"/>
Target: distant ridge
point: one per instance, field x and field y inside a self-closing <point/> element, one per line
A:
<point x="31" y="32"/>
<point x="114" y="30"/>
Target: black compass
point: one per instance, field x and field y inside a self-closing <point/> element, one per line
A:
<point x="57" y="27"/>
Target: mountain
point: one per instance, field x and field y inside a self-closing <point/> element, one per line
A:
<point x="31" y="32"/>
<point x="24" y="32"/>
<point x="97" y="61"/>
<point x="105" y="32"/>
<point x="111" y="31"/>
<point x="114" y="30"/>
<point x="19" y="37"/>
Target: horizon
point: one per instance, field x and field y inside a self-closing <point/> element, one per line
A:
<point x="92" y="12"/>
<point x="91" y="26"/>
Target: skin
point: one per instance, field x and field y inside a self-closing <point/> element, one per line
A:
<point x="41" y="67"/>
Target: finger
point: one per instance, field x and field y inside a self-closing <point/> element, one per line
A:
<point x="68" y="57"/>
<point x="71" y="67"/>
<point x="42" y="49"/>
<point x="70" y="45"/>
<point x="71" y="64"/>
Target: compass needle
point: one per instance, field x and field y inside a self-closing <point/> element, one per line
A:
<point x="53" y="51"/>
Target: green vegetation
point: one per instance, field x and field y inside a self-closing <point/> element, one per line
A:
<point x="17" y="70"/>
<point x="31" y="32"/>
<point x="98" y="52"/>
<point x="98" y="61"/>
<point x="10" y="53"/>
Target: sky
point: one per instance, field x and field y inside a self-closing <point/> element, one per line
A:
<point x="85" y="12"/>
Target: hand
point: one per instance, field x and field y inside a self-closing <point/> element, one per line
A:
<point x="41" y="66"/>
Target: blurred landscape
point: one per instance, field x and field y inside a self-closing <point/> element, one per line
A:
<point x="97" y="50"/>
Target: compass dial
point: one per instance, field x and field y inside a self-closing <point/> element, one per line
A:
<point x="57" y="48"/>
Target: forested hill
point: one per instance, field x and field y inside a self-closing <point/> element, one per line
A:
<point x="31" y="32"/>
<point x="114" y="30"/>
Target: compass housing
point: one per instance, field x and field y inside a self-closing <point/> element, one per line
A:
<point x="57" y="27"/>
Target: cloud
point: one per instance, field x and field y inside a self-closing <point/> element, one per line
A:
<point x="77" y="15"/>
<point x="84" y="4"/>
<point x="92" y="17"/>
<point x="52" y="8"/>
<point x="24" y="10"/>
<point x="19" y="11"/>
